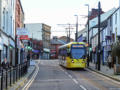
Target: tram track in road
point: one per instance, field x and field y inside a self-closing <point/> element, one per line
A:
<point x="105" y="77"/>
<point x="92" y="79"/>
<point x="73" y="79"/>
<point x="27" y="85"/>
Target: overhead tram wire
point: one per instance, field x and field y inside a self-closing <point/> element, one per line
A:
<point x="61" y="31"/>
<point x="69" y="26"/>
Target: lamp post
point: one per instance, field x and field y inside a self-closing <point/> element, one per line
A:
<point x="99" y="20"/>
<point x="88" y="34"/>
<point x="76" y="35"/>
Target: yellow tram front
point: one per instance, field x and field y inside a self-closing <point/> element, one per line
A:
<point x="73" y="55"/>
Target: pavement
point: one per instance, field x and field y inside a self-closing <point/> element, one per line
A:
<point x="25" y="78"/>
<point x="106" y="71"/>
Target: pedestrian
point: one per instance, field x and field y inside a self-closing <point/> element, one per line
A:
<point x="5" y="64"/>
<point x="109" y="61"/>
<point x="28" y="57"/>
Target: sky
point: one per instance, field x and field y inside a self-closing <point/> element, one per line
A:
<point x="55" y="13"/>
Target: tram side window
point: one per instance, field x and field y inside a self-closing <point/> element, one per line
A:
<point x="68" y="52"/>
<point x="63" y="52"/>
<point x="59" y="52"/>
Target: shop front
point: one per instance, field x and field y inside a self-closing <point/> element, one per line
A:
<point x="5" y="52"/>
<point x="11" y="52"/>
<point x="46" y="53"/>
<point x="1" y="49"/>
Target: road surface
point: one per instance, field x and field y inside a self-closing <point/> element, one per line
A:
<point x="51" y="76"/>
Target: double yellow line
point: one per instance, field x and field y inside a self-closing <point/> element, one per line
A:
<point x="26" y="87"/>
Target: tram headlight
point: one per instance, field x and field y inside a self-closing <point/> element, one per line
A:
<point x="72" y="61"/>
<point x="83" y="61"/>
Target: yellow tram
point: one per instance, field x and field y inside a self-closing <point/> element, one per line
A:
<point x="73" y="55"/>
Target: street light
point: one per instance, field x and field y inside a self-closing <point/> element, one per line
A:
<point x="99" y="24"/>
<point x="88" y="34"/>
<point x="76" y="35"/>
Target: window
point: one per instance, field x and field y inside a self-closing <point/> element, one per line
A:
<point x="5" y="51"/>
<point x="110" y="21"/>
<point x="116" y="18"/>
<point x="11" y="26"/>
<point x="4" y="19"/>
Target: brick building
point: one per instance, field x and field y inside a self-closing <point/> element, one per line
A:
<point x="65" y="39"/>
<point x="55" y="43"/>
<point x="37" y="48"/>
<point x="94" y="13"/>
<point x="41" y="31"/>
<point x="19" y="23"/>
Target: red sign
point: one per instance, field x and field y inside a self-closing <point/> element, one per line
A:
<point x="24" y="37"/>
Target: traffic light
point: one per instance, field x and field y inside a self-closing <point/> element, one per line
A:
<point x="90" y="48"/>
<point x="28" y="43"/>
<point x="28" y="47"/>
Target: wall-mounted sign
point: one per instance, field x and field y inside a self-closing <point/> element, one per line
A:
<point x="22" y="31"/>
<point x="24" y="37"/>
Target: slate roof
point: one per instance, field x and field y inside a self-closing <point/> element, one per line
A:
<point x="104" y="17"/>
<point x="57" y="41"/>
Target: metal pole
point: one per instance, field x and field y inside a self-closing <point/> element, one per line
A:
<point x="67" y="36"/>
<point x="16" y="60"/>
<point x="69" y="32"/>
<point x="10" y="76"/>
<point x="6" y="79"/>
<point x="88" y="37"/>
<point x="99" y="18"/>
<point x="76" y="27"/>
<point x="2" y="80"/>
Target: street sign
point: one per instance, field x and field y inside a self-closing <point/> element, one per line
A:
<point x="22" y="31"/>
<point x="24" y="37"/>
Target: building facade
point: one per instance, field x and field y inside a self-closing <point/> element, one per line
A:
<point x="7" y="30"/>
<point x="46" y="41"/>
<point x="40" y="31"/>
<point x="19" y="24"/>
<point x="107" y="36"/>
<point x="82" y="35"/>
<point x="65" y="39"/>
<point x="55" y="43"/>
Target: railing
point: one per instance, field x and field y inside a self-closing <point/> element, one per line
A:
<point x="10" y="76"/>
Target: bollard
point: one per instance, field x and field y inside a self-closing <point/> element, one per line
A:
<point x="13" y="76"/>
<point x="19" y="71"/>
<point x="10" y="76"/>
<point x="16" y="72"/>
<point x="2" y="79"/>
<point x="6" y="78"/>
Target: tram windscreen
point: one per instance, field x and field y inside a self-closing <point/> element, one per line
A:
<point x="77" y="52"/>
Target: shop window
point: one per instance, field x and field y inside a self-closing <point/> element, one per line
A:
<point x="5" y="51"/>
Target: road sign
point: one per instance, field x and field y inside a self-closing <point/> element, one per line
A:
<point x="22" y="31"/>
<point x="24" y="37"/>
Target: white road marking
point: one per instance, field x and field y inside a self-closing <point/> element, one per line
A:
<point x="83" y="87"/>
<point x="66" y="73"/>
<point x="53" y="80"/>
<point x="32" y="79"/>
<point x="70" y="76"/>
<point x="75" y="81"/>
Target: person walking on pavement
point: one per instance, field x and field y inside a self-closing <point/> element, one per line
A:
<point x="28" y="57"/>
<point x="5" y="64"/>
<point x="109" y="61"/>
